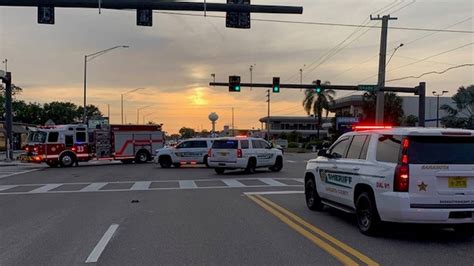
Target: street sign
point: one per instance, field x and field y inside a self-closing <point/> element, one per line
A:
<point x="369" y="88"/>
<point x="238" y="20"/>
<point x="46" y="14"/>
<point x="145" y="17"/>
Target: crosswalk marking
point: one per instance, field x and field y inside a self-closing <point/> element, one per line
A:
<point x="271" y="182"/>
<point x="7" y="171"/>
<point x="11" y="189"/>
<point x="45" y="188"/>
<point x="187" y="184"/>
<point x="141" y="185"/>
<point x="93" y="187"/>
<point x="5" y="187"/>
<point x="232" y="183"/>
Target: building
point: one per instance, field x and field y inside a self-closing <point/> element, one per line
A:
<point x="352" y="105"/>
<point x="20" y="135"/>
<point x="306" y="126"/>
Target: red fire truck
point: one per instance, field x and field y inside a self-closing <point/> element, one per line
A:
<point x="66" y="145"/>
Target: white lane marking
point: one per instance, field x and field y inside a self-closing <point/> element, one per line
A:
<point x="93" y="187"/>
<point x="290" y="161"/>
<point x="45" y="188"/>
<point x="19" y="173"/>
<point x="232" y="183"/>
<point x="141" y="185"/>
<point x="187" y="184"/>
<point x="273" y="192"/>
<point x="299" y="180"/>
<point x="271" y="182"/>
<point x="5" y="187"/>
<point x="99" y="248"/>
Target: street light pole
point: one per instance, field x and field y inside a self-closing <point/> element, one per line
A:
<point x="88" y="58"/>
<point x="138" y="112"/>
<point x="251" y="75"/>
<point x="121" y="100"/>
<point x="437" y="104"/>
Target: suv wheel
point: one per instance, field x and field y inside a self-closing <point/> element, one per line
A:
<point x="368" y="218"/>
<point x="278" y="165"/>
<point x="251" y="166"/>
<point x="219" y="171"/>
<point x="313" y="201"/>
<point x="165" y="162"/>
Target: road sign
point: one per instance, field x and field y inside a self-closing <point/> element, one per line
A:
<point x="46" y="14"/>
<point x="145" y="17"/>
<point x="238" y="20"/>
<point x="369" y="88"/>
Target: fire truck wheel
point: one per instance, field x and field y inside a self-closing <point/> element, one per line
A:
<point x="142" y="157"/>
<point x="67" y="159"/>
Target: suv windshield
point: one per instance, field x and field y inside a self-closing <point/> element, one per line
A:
<point x="441" y="150"/>
<point x="37" y="136"/>
<point x="225" y="144"/>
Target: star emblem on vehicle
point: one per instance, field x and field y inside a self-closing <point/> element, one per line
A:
<point x="422" y="186"/>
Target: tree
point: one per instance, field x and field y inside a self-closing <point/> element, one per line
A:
<point x="15" y="90"/>
<point x="317" y="103"/>
<point x="410" y="121"/>
<point x="61" y="112"/>
<point x="393" y="108"/>
<point x="28" y="113"/>
<point x="462" y="116"/>
<point x="92" y="111"/>
<point x="187" y="133"/>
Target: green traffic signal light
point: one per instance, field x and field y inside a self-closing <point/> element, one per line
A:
<point x="237" y="88"/>
<point x="276" y="89"/>
<point x="318" y="90"/>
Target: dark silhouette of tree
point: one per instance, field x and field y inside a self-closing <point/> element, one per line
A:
<point x="393" y="109"/>
<point x="317" y="103"/>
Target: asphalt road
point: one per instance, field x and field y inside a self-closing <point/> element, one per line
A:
<point x="144" y="215"/>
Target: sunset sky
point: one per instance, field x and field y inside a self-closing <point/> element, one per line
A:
<point x="174" y="59"/>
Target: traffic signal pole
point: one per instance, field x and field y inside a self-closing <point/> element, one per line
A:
<point x="156" y="5"/>
<point x="6" y="77"/>
<point x="419" y="90"/>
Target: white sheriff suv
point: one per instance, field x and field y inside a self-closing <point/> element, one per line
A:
<point x="244" y="153"/>
<point x="405" y="175"/>
<point x="190" y="151"/>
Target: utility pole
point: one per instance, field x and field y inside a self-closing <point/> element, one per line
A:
<point x="268" y="115"/>
<point x="6" y="77"/>
<point x="379" y="113"/>
<point x="251" y="75"/>
<point x="233" y="128"/>
<point x="437" y="105"/>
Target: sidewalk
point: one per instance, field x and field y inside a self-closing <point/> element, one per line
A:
<point x="4" y="162"/>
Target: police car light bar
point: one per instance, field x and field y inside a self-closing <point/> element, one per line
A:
<point x="359" y="128"/>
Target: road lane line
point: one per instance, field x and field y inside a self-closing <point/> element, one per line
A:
<point x="99" y="248"/>
<point x="19" y="173"/>
<point x="141" y="185"/>
<point x="271" y="182"/>
<point x="5" y="187"/>
<point x="298" y="180"/>
<point x="93" y="187"/>
<point x="273" y="192"/>
<point x="232" y="183"/>
<point x="290" y="161"/>
<point x="320" y="232"/>
<point x="45" y="188"/>
<point x="187" y="184"/>
<point x="317" y="241"/>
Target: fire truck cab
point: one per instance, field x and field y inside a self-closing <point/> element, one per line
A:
<point x="66" y="145"/>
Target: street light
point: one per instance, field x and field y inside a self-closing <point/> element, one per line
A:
<point x="251" y="75"/>
<point x="394" y="51"/>
<point x="138" y="112"/>
<point x="121" y="100"/>
<point x="437" y="105"/>
<point x="88" y="58"/>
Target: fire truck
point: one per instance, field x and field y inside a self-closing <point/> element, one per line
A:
<point x="67" y="145"/>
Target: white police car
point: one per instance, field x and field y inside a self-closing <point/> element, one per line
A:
<point x="190" y="151"/>
<point x="244" y="153"/>
<point x="410" y="175"/>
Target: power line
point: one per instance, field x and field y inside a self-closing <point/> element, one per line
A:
<point x="431" y="72"/>
<point x="323" y="23"/>
<point x="403" y="7"/>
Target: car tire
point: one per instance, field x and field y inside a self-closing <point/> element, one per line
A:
<point x="219" y="171"/>
<point x="142" y="157"/>
<point x="313" y="201"/>
<point x="368" y="219"/>
<point x="278" y="165"/>
<point x="67" y="159"/>
<point x="251" y="166"/>
<point x="165" y="162"/>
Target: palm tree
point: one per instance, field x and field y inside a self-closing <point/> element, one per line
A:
<point x="317" y="103"/>
<point x="462" y="114"/>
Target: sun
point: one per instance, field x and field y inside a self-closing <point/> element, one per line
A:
<point x="197" y="98"/>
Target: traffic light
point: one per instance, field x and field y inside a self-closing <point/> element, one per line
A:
<point x="145" y="17"/>
<point x="318" y="88"/>
<point x="276" y="85"/>
<point x="46" y="14"/>
<point x="238" y="20"/>
<point x="234" y="83"/>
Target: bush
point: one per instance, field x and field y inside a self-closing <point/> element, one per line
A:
<point x="293" y="145"/>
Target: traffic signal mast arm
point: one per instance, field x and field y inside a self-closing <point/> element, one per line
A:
<point x="155" y="5"/>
